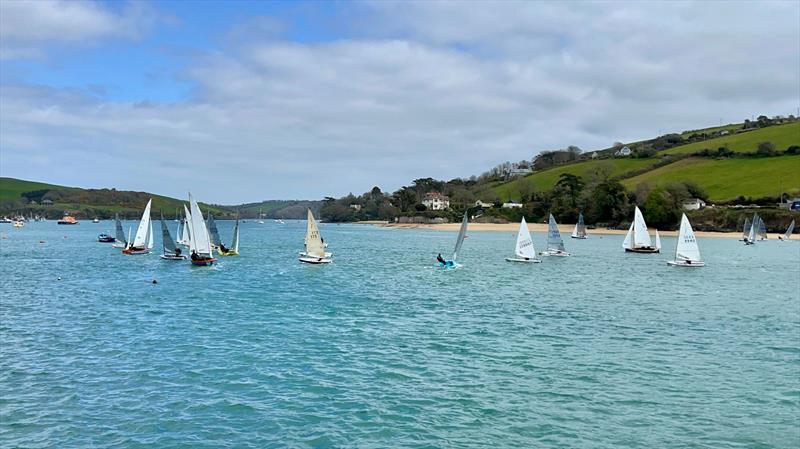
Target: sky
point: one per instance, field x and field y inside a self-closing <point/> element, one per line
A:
<point x="242" y="101"/>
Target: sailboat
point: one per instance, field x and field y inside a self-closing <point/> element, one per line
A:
<point x="580" y="228"/>
<point x="752" y="232"/>
<point x="315" y="247"/>
<point x="202" y="253"/>
<point x="233" y="250"/>
<point x="524" y="251"/>
<point x="687" y="253"/>
<point x="213" y="232"/>
<point x="119" y="234"/>
<point x="762" y="229"/>
<point x="186" y="234"/>
<point x="170" y="250"/>
<point x="555" y="244"/>
<point x="143" y="241"/>
<point x="745" y="230"/>
<point x="462" y="234"/>
<point x="637" y="240"/>
<point x="260" y="216"/>
<point x="788" y="234"/>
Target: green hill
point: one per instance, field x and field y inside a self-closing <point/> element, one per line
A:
<point x="782" y="136"/>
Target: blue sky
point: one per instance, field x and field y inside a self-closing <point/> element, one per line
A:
<point x="309" y="99"/>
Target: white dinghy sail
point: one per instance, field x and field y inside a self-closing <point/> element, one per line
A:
<point x="580" y="228"/>
<point x="142" y="242"/>
<point x="687" y="252"/>
<point x="524" y="251"/>
<point x="555" y="244"/>
<point x="637" y="240"/>
<point x="789" y="231"/>
<point x="202" y="253"/>
<point x="315" y="247"/>
<point x="186" y="237"/>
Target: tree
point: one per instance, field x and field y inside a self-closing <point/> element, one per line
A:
<point x="405" y="198"/>
<point x="766" y="149"/>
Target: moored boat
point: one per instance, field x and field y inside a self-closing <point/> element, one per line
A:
<point x="105" y="238"/>
<point x="68" y="220"/>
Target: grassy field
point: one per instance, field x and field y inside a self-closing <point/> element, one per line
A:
<point x="12" y="189"/>
<point x="545" y="180"/>
<point x="781" y="135"/>
<point x="727" y="179"/>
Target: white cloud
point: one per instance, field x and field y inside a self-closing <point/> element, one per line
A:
<point x="429" y="89"/>
<point x="28" y="27"/>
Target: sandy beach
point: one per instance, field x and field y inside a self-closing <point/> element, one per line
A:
<point x="539" y="228"/>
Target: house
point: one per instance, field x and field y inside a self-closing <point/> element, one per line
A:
<point x="436" y="201"/>
<point x="624" y="151"/>
<point x="484" y="205"/>
<point x="518" y="172"/>
<point x="694" y="204"/>
<point x="47" y="202"/>
<point x="594" y="155"/>
<point x="724" y="132"/>
<point x="355" y="207"/>
<point x="512" y="205"/>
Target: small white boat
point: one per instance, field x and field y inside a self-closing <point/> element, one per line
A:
<point x="745" y="230"/>
<point x="687" y="253"/>
<point x="555" y="244"/>
<point x="788" y="235"/>
<point x="752" y="233"/>
<point x="170" y="251"/>
<point x="185" y="237"/>
<point x="18" y="223"/>
<point x="315" y="249"/>
<point x="96" y="220"/>
<point x="202" y="252"/>
<point x="143" y="241"/>
<point x="580" y="228"/>
<point x="524" y="251"/>
<point x="637" y="240"/>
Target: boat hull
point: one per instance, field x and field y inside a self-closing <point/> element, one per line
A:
<point x="67" y="222"/>
<point x="228" y="253"/>
<point x="172" y="257"/>
<point x="315" y="260"/>
<point x="578" y="237"/>
<point x="554" y="253"/>
<point x="203" y="262"/>
<point x="449" y="265"/>
<point x="105" y="240"/>
<point x="681" y="263"/>
<point x="134" y="252"/>
<point x="521" y="260"/>
<point x="642" y="250"/>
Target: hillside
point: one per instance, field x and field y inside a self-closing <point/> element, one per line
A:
<point x="724" y="178"/>
<point x="27" y="197"/>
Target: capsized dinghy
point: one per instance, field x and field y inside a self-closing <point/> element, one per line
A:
<point x="687" y="253"/>
<point x="524" y="251"/>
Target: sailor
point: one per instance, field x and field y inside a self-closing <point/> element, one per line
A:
<point x="440" y="259"/>
<point x="177" y="251"/>
<point x="222" y="248"/>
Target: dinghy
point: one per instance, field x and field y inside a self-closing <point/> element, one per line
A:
<point x="213" y="233"/>
<point x="233" y="250"/>
<point x="762" y="229"/>
<point x="462" y="234"/>
<point x="580" y="228"/>
<point x="170" y="250"/>
<point x="186" y="236"/>
<point x="524" y="252"/>
<point x="555" y="244"/>
<point x="788" y="234"/>
<point x="119" y="236"/>
<point x="315" y="248"/>
<point x="752" y="233"/>
<point x="143" y="241"/>
<point x="745" y="230"/>
<point x="202" y="253"/>
<point x="637" y="240"/>
<point x="687" y="253"/>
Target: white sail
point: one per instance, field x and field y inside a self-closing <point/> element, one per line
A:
<point x="150" y="237"/>
<point x="525" y="247"/>
<point x="762" y="229"/>
<point x="314" y="245"/>
<point x="628" y="243"/>
<point x="199" y="242"/>
<point x="658" y="241"/>
<point x="235" y="245"/>
<point x="789" y="231"/>
<point x="186" y="237"/>
<point x="641" y="238"/>
<point x="554" y="240"/>
<point x="462" y="233"/>
<point x="140" y="241"/>
<point x="746" y="228"/>
<point x="687" y="248"/>
<point x="580" y="228"/>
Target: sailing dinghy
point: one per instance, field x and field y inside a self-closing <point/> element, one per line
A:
<point x="752" y="233"/>
<point x="745" y="230"/>
<point x="186" y="235"/>
<point x="524" y="252"/>
<point x="170" y="250"/>
<point x="462" y="234"/>
<point x="555" y="244"/>
<point x="762" y="229"/>
<point x="119" y="235"/>
<point x="143" y="241"/>
<point x="637" y="240"/>
<point x="788" y="234"/>
<point x="213" y="232"/>
<point x="315" y="248"/>
<point x="580" y="228"/>
<point x="687" y="253"/>
<point x="233" y="250"/>
<point x="202" y="253"/>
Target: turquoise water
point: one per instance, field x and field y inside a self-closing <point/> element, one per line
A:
<point x="380" y="349"/>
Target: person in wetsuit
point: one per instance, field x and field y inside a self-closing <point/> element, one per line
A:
<point x="440" y="259"/>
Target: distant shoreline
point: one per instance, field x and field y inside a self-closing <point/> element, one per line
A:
<point x="566" y="230"/>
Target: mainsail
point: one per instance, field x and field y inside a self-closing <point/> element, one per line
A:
<point x="120" y="234"/>
<point x="166" y="239"/>
<point x="212" y="231"/>
<point x="554" y="240"/>
<point x="525" y="247"/>
<point x="235" y="245"/>
<point x="200" y="242"/>
<point x="461" y="234"/>
<point x="789" y="231"/>
<point x="628" y="242"/>
<point x="314" y="245"/>
<point x="186" y="237"/>
<point x="641" y="238"/>
<point x="142" y="232"/>
<point x="580" y="228"/>
<point x="762" y="229"/>
<point x="687" y="248"/>
<point x="746" y="228"/>
<point x="658" y="241"/>
<point x="751" y="234"/>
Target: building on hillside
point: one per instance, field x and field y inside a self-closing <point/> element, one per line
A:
<point x="485" y="205"/>
<point x="47" y="202"/>
<point x="512" y="205"/>
<point x="594" y="155"/>
<point x="694" y="204"/>
<point x="355" y="207"/>
<point x="514" y="172"/>
<point x="436" y="201"/>
<point x="624" y="151"/>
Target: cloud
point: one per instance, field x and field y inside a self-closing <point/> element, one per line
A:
<point x="28" y="27"/>
<point x="435" y="89"/>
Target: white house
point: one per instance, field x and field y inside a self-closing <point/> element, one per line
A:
<point x="624" y="151"/>
<point x="355" y="207"/>
<point x="694" y="204"/>
<point x="484" y="205"/>
<point x="518" y="172"/>
<point x="594" y="155"/>
<point x="436" y="201"/>
<point x="512" y="205"/>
